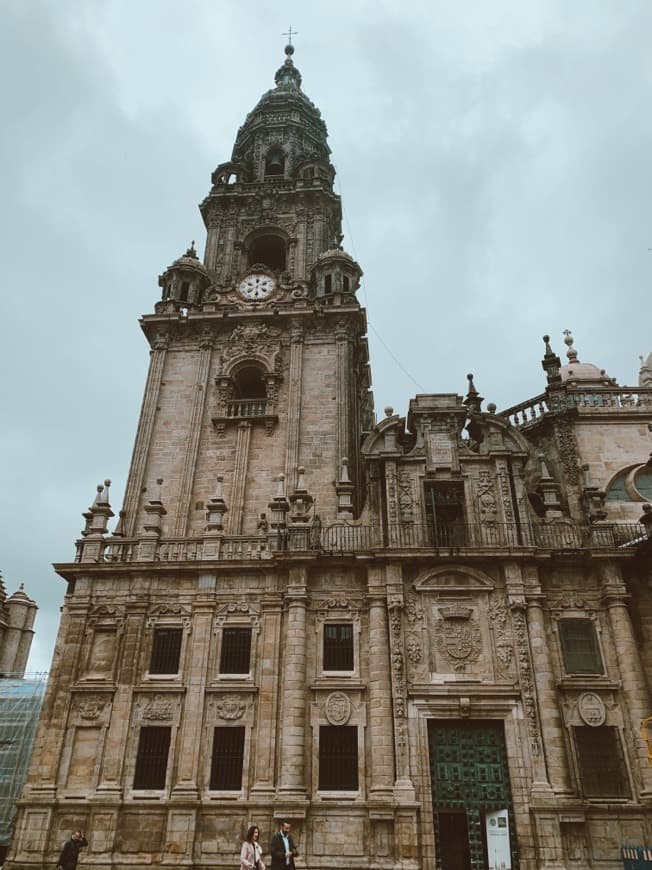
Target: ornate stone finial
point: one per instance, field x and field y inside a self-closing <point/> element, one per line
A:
<point x="98" y="515"/>
<point x="288" y="76"/>
<point x="191" y="252"/>
<point x="215" y="509"/>
<point x="551" y="364"/>
<point x="571" y="353"/>
<point x="344" y="490"/>
<point x="548" y="490"/>
<point x="389" y="411"/>
<point x="300" y="501"/>
<point x="491" y="407"/>
<point x="473" y="399"/>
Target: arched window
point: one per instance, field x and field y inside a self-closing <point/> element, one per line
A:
<point x="632" y="484"/>
<point x="275" y="162"/>
<point x="269" y="250"/>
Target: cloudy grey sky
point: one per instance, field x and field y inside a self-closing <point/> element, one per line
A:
<point x="494" y="162"/>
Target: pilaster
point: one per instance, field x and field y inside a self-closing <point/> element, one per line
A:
<point x="194" y="432"/>
<point x="144" y="433"/>
<point x="243" y="441"/>
<point x="116" y="738"/>
<point x="381" y="735"/>
<point x="268" y="696"/>
<point x="293" y="692"/>
<point x="186" y="785"/>
<point x="294" y="404"/>
<point x="635" y="691"/>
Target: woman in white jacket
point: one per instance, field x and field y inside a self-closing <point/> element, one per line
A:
<point x="251" y="854"/>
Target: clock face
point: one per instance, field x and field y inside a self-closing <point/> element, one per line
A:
<point x="256" y="287"/>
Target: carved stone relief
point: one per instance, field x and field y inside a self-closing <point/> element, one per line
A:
<point x="230" y="707"/>
<point x="406" y="496"/>
<point x="503" y="639"/>
<point x="487" y="506"/>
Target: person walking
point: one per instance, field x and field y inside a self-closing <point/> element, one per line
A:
<point x="71" y="849"/>
<point x="251" y="854"/>
<point x="282" y="848"/>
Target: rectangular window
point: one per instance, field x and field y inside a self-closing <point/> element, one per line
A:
<point x="166" y="651"/>
<point x="236" y="651"/>
<point x="445" y="512"/>
<point x="338" y="646"/>
<point x="600" y="758"/>
<point x="338" y="758"/>
<point x="228" y="758"/>
<point x="152" y="757"/>
<point x="579" y="645"/>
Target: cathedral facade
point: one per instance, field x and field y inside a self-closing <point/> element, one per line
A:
<point x="424" y="641"/>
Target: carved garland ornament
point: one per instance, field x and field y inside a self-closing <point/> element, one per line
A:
<point x="230" y="707"/>
<point x="525" y="672"/>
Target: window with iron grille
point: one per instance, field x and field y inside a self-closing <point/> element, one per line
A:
<point x="236" y="651"/>
<point x="166" y="651"/>
<point x="152" y="757"/>
<point x="601" y="762"/>
<point x="338" y="758"/>
<point x="338" y="646"/>
<point x="228" y="758"/>
<point x="579" y="645"/>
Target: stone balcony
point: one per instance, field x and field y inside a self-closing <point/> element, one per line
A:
<point x="345" y="539"/>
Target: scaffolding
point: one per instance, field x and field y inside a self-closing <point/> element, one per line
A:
<point x="21" y="699"/>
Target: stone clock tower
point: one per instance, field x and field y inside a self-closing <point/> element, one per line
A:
<point x="426" y="641"/>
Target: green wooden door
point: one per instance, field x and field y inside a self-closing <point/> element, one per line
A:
<point x="469" y="775"/>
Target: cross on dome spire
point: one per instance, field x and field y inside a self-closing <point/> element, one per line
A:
<point x="289" y="35"/>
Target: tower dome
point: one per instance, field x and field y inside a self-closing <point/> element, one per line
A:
<point x="283" y="133"/>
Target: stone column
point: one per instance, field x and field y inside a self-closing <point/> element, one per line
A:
<point x="116" y="738"/>
<point x="635" y="691"/>
<point x="293" y="693"/>
<point x="403" y="785"/>
<point x="267" y="713"/>
<point x="516" y="599"/>
<point x="194" y="432"/>
<point x="239" y="477"/>
<point x="144" y="433"/>
<point x="294" y="404"/>
<point x="199" y="642"/>
<point x="380" y="734"/>
<point x="551" y="724"/>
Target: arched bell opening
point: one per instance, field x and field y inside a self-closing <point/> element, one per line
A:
<point x="274" y="162"/>
<point x="248" y="383"/>
<point x="269" y="250"/>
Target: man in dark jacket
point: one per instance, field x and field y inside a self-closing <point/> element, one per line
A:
<point x="283" y="849"/>
<point x="70" y="852"/>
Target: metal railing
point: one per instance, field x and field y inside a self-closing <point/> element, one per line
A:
<point x="344" y="538"/>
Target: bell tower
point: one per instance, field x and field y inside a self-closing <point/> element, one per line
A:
<point x="259" y="360"/>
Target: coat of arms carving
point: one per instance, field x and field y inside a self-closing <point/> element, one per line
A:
<point x="458" y="635"/>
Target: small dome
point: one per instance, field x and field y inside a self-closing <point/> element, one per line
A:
<point x="578" y="372"/>
<point x="336" y="254"/>
<point x="191" y="260"/>
<point x="20" y="597"/>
